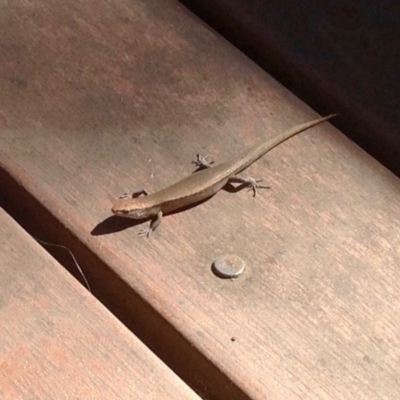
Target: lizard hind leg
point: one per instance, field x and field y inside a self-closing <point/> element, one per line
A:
<point x="250" y="183"/>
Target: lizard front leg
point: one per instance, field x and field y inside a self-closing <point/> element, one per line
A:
<point x="138" y="193"/>
<point x="202" y="162"/>
<point x="146" y="232"/>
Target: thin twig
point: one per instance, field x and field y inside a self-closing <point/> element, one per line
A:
<point x="73" y="257"/>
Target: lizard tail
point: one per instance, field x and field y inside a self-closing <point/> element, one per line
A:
<point x="256" y="152"/>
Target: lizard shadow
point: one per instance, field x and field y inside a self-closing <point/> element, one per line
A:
<point x="114" y="224"/>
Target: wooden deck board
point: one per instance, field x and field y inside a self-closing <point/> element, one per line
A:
<point x="59" y="342"/>
<point x="122" y="96"/>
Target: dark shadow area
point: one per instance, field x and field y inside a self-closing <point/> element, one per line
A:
<point x="114" y="224"/>
<point x="336" y="56"/>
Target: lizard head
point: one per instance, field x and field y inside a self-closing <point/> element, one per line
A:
<point x="136" y="208"/>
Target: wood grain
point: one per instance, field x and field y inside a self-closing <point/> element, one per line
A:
<point x="59" y="342"/>
<point x="118" y="96"/>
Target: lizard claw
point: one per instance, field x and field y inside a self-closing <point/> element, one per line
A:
<point x="254" y="185"/>
<point x="141" y="192"/>
<point x="202" y="162"/>
<point x="124" y="196"/>
<point x="145" y="232"/>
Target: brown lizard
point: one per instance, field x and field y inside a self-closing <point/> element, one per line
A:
<point x="201" y="184"/>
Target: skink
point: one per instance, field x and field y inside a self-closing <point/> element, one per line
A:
<point x="201" y="185"/>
